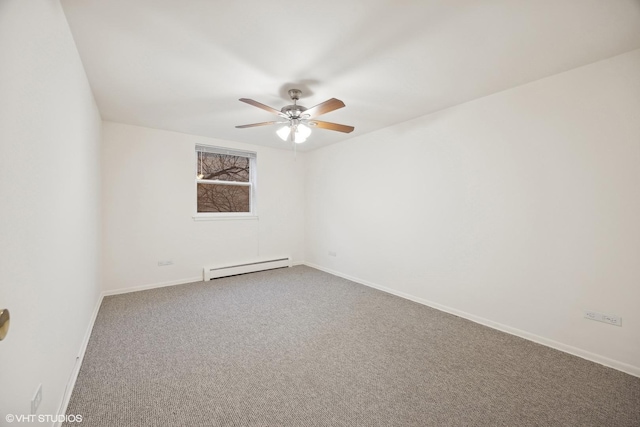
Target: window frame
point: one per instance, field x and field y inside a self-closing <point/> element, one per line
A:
<point x="252" y="184"/>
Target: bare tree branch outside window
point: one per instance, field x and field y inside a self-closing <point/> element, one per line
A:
<point x="218" y="197"/>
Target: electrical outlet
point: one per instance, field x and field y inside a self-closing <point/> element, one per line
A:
<point x="164" y="263"/>
<point x="37" y="398"/>
<point x="605" y="318"/>
<point x="613" y="320"/>
<point x="331" y="253"/>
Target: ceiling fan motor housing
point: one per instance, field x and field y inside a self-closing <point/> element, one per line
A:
<point x="293" y="111"/>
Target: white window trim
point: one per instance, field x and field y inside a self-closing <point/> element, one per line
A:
<point x="223" y="216"/>
<point x="252" y="184"/>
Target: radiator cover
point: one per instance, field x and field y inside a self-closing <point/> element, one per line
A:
<point x="214" y="272"/>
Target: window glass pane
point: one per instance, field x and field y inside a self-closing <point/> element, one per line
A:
<point x="223" y="198"/>
<point x="223" y="167"/>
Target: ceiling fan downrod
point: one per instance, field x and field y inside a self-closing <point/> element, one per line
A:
<point x="294" y="111"/>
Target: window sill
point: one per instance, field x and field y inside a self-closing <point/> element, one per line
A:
<point x="223" y="217"/>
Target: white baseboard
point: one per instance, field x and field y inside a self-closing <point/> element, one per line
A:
<point x="152" y="286"/>
<point x="161" y="284"/>
<point x="62" y="410"/>
<point x="584" y="354"/>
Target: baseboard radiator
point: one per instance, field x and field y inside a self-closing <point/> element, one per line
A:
<point x="215" y="272"/>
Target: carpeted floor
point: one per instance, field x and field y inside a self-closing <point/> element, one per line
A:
<point x="299" y="347"/>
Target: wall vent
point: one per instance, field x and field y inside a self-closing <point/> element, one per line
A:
<point x="216" y="272"/>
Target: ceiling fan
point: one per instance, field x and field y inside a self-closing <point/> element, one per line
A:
<point x="299" y="120"/>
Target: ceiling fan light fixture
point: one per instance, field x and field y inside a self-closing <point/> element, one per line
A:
<point x="283" y="133"/>
<point x="301" y="134"/>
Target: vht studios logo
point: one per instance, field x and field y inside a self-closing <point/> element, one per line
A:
<point x="43" y="418"/>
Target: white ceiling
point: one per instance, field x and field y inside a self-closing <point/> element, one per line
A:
<point x="182" y="65"/>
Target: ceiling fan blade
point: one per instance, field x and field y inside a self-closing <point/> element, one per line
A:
<point x="324" y="108"/>
<point x="253" y="125"/>
<point x="264" y="107"/>
<point x="331" y="126"/>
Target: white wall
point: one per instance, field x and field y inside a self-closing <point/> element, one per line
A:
<point x="520" y="208"/>
<point x="149" y="201"/>
<point x="49" y="196"/>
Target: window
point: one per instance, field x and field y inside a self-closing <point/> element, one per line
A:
<point x="225" y="182"/>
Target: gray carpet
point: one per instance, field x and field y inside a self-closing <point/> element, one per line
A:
<point x="299" y="347"/>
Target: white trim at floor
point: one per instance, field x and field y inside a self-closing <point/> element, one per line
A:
<point x="584" y="354"/>
<point x="152" y="286"/>
<point x="62" y="409"/>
